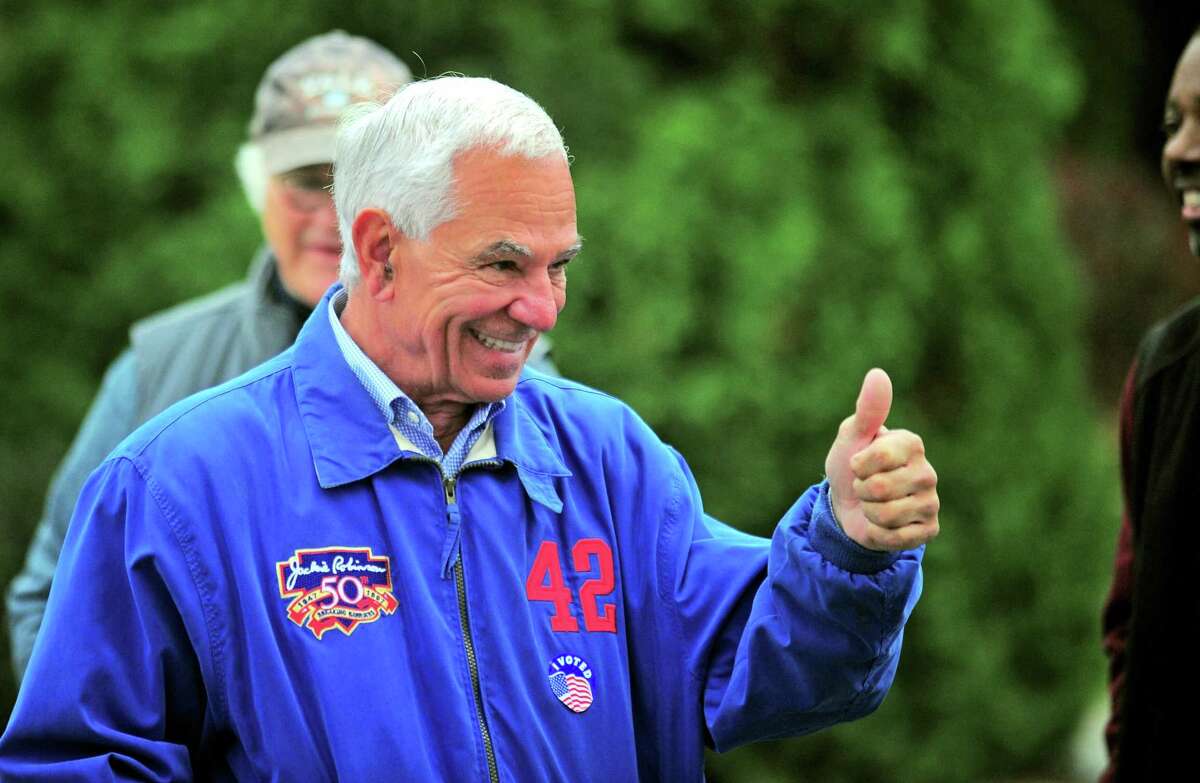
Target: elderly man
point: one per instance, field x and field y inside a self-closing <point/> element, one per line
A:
<point x="285" y="168"/>
<point x="389" y="553"/>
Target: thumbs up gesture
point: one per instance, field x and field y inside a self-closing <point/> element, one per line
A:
<point x="883" y="490"/>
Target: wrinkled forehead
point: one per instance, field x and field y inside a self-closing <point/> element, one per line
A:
<point x="538" y="192"/>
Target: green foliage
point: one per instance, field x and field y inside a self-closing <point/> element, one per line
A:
<point x="774" y="198"/>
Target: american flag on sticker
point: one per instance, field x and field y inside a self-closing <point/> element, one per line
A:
<point x="571" y="682"/>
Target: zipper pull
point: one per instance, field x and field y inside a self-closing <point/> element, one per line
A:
<point x="450" y="548"/>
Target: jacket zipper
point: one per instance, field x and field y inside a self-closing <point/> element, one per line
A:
<point x="460" y="583"/>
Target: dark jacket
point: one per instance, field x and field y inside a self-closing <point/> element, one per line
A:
<point x="1153" y="608"/>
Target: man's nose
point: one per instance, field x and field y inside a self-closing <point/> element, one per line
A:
<point x="538" y="303"/>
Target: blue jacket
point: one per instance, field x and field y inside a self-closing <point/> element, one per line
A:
<point x="262" y="584"/>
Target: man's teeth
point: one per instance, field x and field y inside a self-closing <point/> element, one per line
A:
<point x="500" y="345"/>
<point x="1191" y="198"/>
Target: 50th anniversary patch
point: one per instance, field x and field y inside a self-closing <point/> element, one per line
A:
<point x="336" y="587"/>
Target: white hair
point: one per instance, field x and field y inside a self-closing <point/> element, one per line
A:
<point x="252" y="174"/>
<point x="399" y="157"/>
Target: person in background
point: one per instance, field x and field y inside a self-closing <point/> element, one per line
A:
<point x="285" y="168"/>
<point x="1152" y="608"/>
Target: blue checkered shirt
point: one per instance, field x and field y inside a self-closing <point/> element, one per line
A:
<point x="401" y="412"/>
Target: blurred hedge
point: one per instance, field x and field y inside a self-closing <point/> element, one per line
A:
<point x="775" y="198"/>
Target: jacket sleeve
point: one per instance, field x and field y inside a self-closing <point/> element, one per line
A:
<point x="108" y="421"/>
<point x="788" y="637"/>
<point x="1118" y="607"/>
<point x="113" y="690"/>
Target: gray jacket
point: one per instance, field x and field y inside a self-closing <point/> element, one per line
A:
<point x="209" y="340"/>
<point x="172" y="354"/>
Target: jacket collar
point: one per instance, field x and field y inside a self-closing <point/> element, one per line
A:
<point x="521" y="442"/>
<point x="350" y="440"/>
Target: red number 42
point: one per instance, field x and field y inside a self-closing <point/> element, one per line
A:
<point x="545" y="583"/>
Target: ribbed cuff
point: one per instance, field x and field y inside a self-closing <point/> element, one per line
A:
<point x="834" y="545"/>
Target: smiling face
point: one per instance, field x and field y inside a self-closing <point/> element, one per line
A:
<point x="300" y="224"/>
<point x="1181" y="151"/>
<point x="469" y="303"/>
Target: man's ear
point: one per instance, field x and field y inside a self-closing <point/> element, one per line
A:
<point x="375" y="239"/>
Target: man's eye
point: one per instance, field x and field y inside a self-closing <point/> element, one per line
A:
<point x="1170" y="125"/>
<point x="504" y="266"/>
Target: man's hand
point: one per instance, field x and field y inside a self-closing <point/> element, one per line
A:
<point x="883" y="490"/>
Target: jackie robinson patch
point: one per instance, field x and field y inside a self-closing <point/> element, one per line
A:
<point x="336" y="587"/>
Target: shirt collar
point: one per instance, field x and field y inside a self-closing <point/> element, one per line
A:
<point x="398" y="409"/>
<point x="351" y="440"/>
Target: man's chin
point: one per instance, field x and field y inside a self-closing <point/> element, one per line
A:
<point x="484" y="389"/>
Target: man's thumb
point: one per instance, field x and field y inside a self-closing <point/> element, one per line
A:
<point x="874" y="403"/>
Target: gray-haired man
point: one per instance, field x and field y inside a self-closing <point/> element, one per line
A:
<point x="391" y="553"/>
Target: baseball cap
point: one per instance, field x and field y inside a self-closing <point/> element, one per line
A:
<point x="303" y="93"/>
